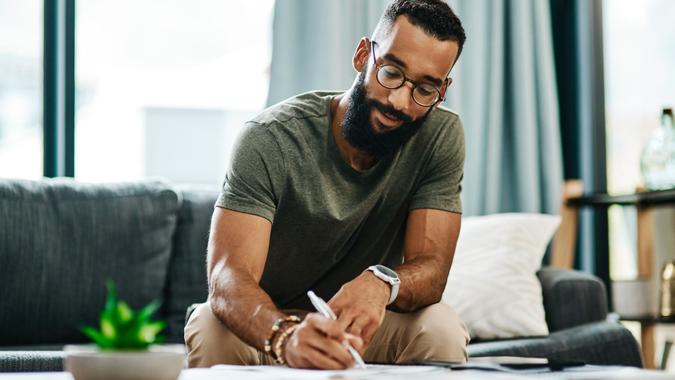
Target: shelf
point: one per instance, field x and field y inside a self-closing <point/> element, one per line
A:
<point x="648" y="320"/>
<point x="602" y="200"/>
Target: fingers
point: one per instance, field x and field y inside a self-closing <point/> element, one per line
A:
<point x="367" y="334"/>
<point x="327" y="328"/>
<point x="332" y="329"/>
<point x="334" y="350"/>
<point x="317" y="359"/>
<point x="358" y="325"/>
<point x="364" y="327"/>
<point x="345" y="320"/>
<point x="308" y="356"/>
<point x="317" y="343"/>
<point x="354" y="341"/>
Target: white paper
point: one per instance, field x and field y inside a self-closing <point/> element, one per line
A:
<point x="371" y="371"/>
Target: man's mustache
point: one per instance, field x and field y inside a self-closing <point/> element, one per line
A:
<point x="391" y="111"/>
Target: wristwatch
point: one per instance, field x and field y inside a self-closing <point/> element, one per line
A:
<point x="389" y="276"/>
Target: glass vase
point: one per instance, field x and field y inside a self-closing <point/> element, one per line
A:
<point x="657" y="162"/>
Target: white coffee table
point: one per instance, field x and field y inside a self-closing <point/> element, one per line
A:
<point x="578" y="373"/>
<point x="218" y="374"/>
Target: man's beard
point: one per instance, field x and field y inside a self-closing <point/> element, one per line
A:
<point x="358" y="131"/>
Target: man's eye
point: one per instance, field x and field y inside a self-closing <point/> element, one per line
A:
<point x="391" y="73"/>
<point x="425" y="90"/>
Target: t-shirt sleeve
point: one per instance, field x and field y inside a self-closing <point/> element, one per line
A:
<point x="441" y="183"/>
<point x="254" y="179"/>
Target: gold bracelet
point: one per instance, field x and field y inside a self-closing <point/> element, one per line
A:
<point x="275" y="329"/>
<point x="279" y="345"/>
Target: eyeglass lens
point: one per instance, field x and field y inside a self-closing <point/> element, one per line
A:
<point x="392" y="77"/>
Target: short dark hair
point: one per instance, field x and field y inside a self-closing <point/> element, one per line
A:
<point x="434" y="16"/>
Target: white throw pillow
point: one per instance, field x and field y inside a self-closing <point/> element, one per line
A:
<point x="492" y="283"/>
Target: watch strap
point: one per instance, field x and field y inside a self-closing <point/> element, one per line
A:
<point x="394" y="282"/>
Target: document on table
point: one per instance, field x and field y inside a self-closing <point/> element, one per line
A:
<point x="371" y="371"/>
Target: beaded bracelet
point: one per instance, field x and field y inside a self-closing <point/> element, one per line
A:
<point x="275" y="329"/>
<point x="279" y="345"/>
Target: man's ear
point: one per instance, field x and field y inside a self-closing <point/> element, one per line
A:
<point x="444" y="88"/>
<point x="446" y="83"/>
<point x="361" y="55"/>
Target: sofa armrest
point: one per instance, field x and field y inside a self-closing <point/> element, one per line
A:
<point x="571" y="298"/>
<point x="598" y="343"/>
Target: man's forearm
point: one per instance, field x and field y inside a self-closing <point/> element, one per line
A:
<point x="422" y="283"/>
<point x="239" y="302"/>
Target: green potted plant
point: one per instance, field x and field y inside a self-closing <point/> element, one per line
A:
<point x="125" y="346"/>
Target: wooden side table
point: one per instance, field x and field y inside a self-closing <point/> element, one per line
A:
<point x="647" y="327"/>
<point x="563" y="246"/>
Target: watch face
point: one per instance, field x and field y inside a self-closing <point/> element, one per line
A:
<point x="387" y="271"/>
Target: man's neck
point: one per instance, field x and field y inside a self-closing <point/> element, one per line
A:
<point x="357" y="159"/>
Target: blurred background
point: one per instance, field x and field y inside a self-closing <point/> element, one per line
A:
<point x="156" y="85"/>
<point x="548" y="90"/>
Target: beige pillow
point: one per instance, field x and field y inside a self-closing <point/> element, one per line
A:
<point x="492" y="283"/>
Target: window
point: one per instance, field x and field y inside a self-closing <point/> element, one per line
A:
<point x="162" y="90"/>
<point x="21" y="89"/>
<point x="640" y="81"/>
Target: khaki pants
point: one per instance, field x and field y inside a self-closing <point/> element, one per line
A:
<point x="432" y="333"/>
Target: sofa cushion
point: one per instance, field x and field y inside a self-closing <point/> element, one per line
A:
<point x="493" y="284"/>
<point x="31" y="361"/>
<point x="187" y="270"/>
<point x="60" y="240"/>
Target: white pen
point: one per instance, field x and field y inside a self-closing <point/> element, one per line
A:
<point x="322" y="307"/>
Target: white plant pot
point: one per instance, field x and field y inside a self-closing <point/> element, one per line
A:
<point x="159" y="362"/>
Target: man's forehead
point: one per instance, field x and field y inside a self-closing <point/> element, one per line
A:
<point x="421" y="53"/>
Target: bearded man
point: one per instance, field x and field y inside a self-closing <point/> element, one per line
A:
<point x="353" y="195"/>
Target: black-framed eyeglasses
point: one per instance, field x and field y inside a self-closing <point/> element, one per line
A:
<point x="391" y="77"/>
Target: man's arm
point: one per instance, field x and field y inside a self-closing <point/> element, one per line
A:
<point x="237" y="251"/>
<point x="238" y="246"/>
<point x="430" y="241"/>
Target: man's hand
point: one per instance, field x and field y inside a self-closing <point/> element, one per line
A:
<point x="360" y="305"/>
<point x="320" y="343"/>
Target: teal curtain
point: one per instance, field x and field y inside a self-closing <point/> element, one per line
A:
<point x="313" y="43"/>
<point x="578" y="40"/>
<point x="504" y="89"/>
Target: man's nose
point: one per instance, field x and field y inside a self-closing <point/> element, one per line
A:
<point x="401" y="97"/>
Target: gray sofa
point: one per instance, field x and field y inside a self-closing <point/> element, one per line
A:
<point x="60" y="240"/>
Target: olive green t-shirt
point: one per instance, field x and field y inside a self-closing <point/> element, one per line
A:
<point x="329" y="221"/>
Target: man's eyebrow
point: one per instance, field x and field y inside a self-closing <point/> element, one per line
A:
<point x="396" y="60"/>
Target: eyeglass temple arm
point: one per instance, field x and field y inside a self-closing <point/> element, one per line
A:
<point x="372" y="48"/>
